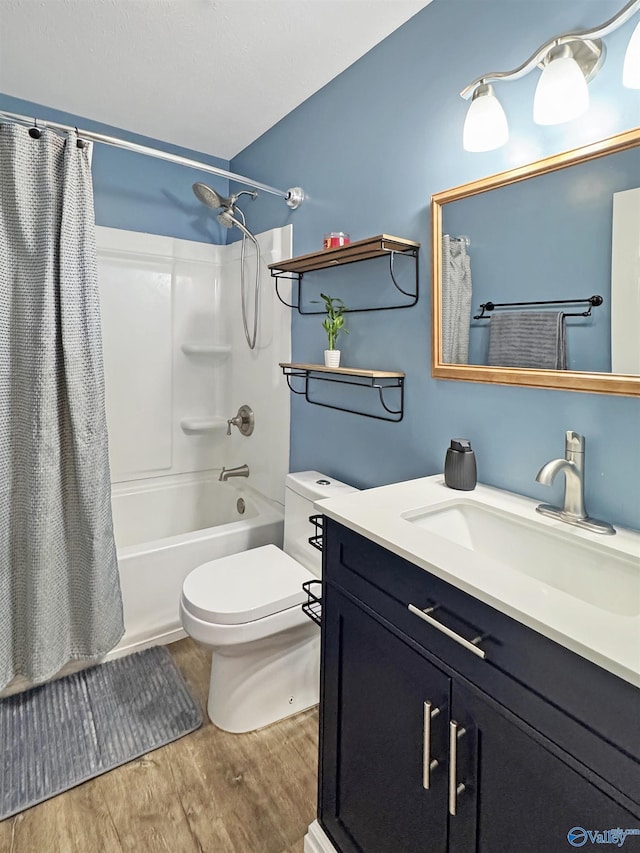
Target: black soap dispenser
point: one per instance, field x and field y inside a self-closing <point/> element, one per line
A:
<point x="460" y="466"/>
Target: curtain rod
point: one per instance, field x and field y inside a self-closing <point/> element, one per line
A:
<point x="293" y="196"/>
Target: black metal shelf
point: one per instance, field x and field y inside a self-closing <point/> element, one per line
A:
<point x="385" y="382"/>
<point x="313" y="605"/>
<point x="316" y="540"/>
<point x="383" y="245"/>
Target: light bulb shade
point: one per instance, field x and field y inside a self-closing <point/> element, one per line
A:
<point x="485" y="126"/>
<point x="561" y="93"/>
<point x="631" y="70"/>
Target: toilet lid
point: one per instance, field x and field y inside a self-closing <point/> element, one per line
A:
<point x="246" y="586"/>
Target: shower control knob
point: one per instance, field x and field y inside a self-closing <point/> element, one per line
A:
<point x="244" y="420"/>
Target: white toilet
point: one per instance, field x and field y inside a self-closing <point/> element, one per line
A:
<point x="246" y="607"/>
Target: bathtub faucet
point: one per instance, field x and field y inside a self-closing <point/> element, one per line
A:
<point x="245" y="421"/>
<point x="240" y="471"/>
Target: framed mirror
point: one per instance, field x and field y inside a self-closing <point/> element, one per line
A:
<point x="536" y="273"/>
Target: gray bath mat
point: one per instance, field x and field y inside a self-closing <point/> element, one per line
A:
<point x="62" y="733"/>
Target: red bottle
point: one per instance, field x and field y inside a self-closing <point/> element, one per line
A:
<point x="335" y="238"/>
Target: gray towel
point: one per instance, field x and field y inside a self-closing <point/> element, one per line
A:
<point x="533" y="339"/>
<point x="456" y="301"/>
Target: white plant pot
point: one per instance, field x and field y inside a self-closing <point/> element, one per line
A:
<point x="332" y="358"/>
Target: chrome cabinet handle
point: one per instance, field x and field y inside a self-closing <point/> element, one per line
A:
<point x="427" y="763"/>
<point x="468" y="644"/>
<point x="455" y="788"/>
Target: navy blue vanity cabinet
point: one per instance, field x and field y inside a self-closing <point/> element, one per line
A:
<point x="384" y="738"/>
<point x="508" y="770"/>
<point x="519" y="793"/>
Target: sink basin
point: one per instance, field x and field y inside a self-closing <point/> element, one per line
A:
<point x="586" y="570"/>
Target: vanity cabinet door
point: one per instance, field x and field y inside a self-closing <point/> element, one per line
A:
<point x="518" y="793"/>
<point x="373" y="744"/>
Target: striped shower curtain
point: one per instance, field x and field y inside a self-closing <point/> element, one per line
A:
<point x="59" y="587"/>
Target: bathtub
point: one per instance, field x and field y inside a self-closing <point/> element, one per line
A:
<point x="165" y="528"/>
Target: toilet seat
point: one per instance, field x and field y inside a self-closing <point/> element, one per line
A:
<point x="236" y="637"/>
<point x="244" y="587"/>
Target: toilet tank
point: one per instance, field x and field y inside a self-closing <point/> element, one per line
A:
<point x="301" y="490"/>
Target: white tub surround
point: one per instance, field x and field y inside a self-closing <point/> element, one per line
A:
<point x="177" y="367"/>
<point x="589" y="603"/>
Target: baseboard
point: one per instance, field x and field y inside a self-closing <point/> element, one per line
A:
<point x="315" y="841"/>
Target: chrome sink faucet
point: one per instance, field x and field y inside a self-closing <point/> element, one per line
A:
<point x="573" y="511"/>
<point x="240" y="471"/>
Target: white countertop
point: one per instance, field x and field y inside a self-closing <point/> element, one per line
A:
<point x="608" y="639"/>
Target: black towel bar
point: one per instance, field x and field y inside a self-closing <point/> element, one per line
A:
<point x="591" y="301"/>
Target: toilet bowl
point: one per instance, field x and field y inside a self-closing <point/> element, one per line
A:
<point x="247" y="609"/>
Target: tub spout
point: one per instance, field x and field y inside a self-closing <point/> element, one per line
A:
<point x="240" y="471"/>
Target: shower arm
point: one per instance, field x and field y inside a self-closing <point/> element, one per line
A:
<point x="294" y="196"/>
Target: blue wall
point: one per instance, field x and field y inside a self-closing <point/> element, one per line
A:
<point x="141" y="193"/>
<point x="370" y="149"/>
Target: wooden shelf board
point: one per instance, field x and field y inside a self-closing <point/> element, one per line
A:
<point x="371" y="247"/>
<point x="345" y="371"/>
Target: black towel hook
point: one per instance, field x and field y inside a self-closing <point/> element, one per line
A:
<point x="35" y="132"/>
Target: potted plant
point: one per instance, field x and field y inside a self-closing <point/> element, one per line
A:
<point x="333" y="323"/>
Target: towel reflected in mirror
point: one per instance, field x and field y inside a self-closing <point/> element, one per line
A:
<point x="533" y="339"/>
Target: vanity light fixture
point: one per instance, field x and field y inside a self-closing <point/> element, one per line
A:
<point x="568" y="63"/>
<point x="561" y="94"/>
<point x="485" y="126"/>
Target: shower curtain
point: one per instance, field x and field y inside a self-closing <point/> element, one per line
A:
<point x="59" y="587"/>
<point x="456" y="301"/>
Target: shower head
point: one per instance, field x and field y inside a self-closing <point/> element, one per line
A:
<point x="210" y="197"/>
<point x="229" y="215"/>
<point x="225" y="218"/>
<point x="214" y="200"/>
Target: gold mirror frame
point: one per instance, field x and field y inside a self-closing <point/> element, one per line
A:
<point x="568" y="380"/>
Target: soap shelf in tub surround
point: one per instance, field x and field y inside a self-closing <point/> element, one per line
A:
<point x="386" y="382"/>
<point x="211" y="350"/>
<point x="193" y="426"/>
<point x="382" y="246"/>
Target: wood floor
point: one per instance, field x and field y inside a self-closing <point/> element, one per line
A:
<point x="209" y="792"/>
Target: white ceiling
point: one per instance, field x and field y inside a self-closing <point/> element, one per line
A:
<point x="211" y="75"/>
